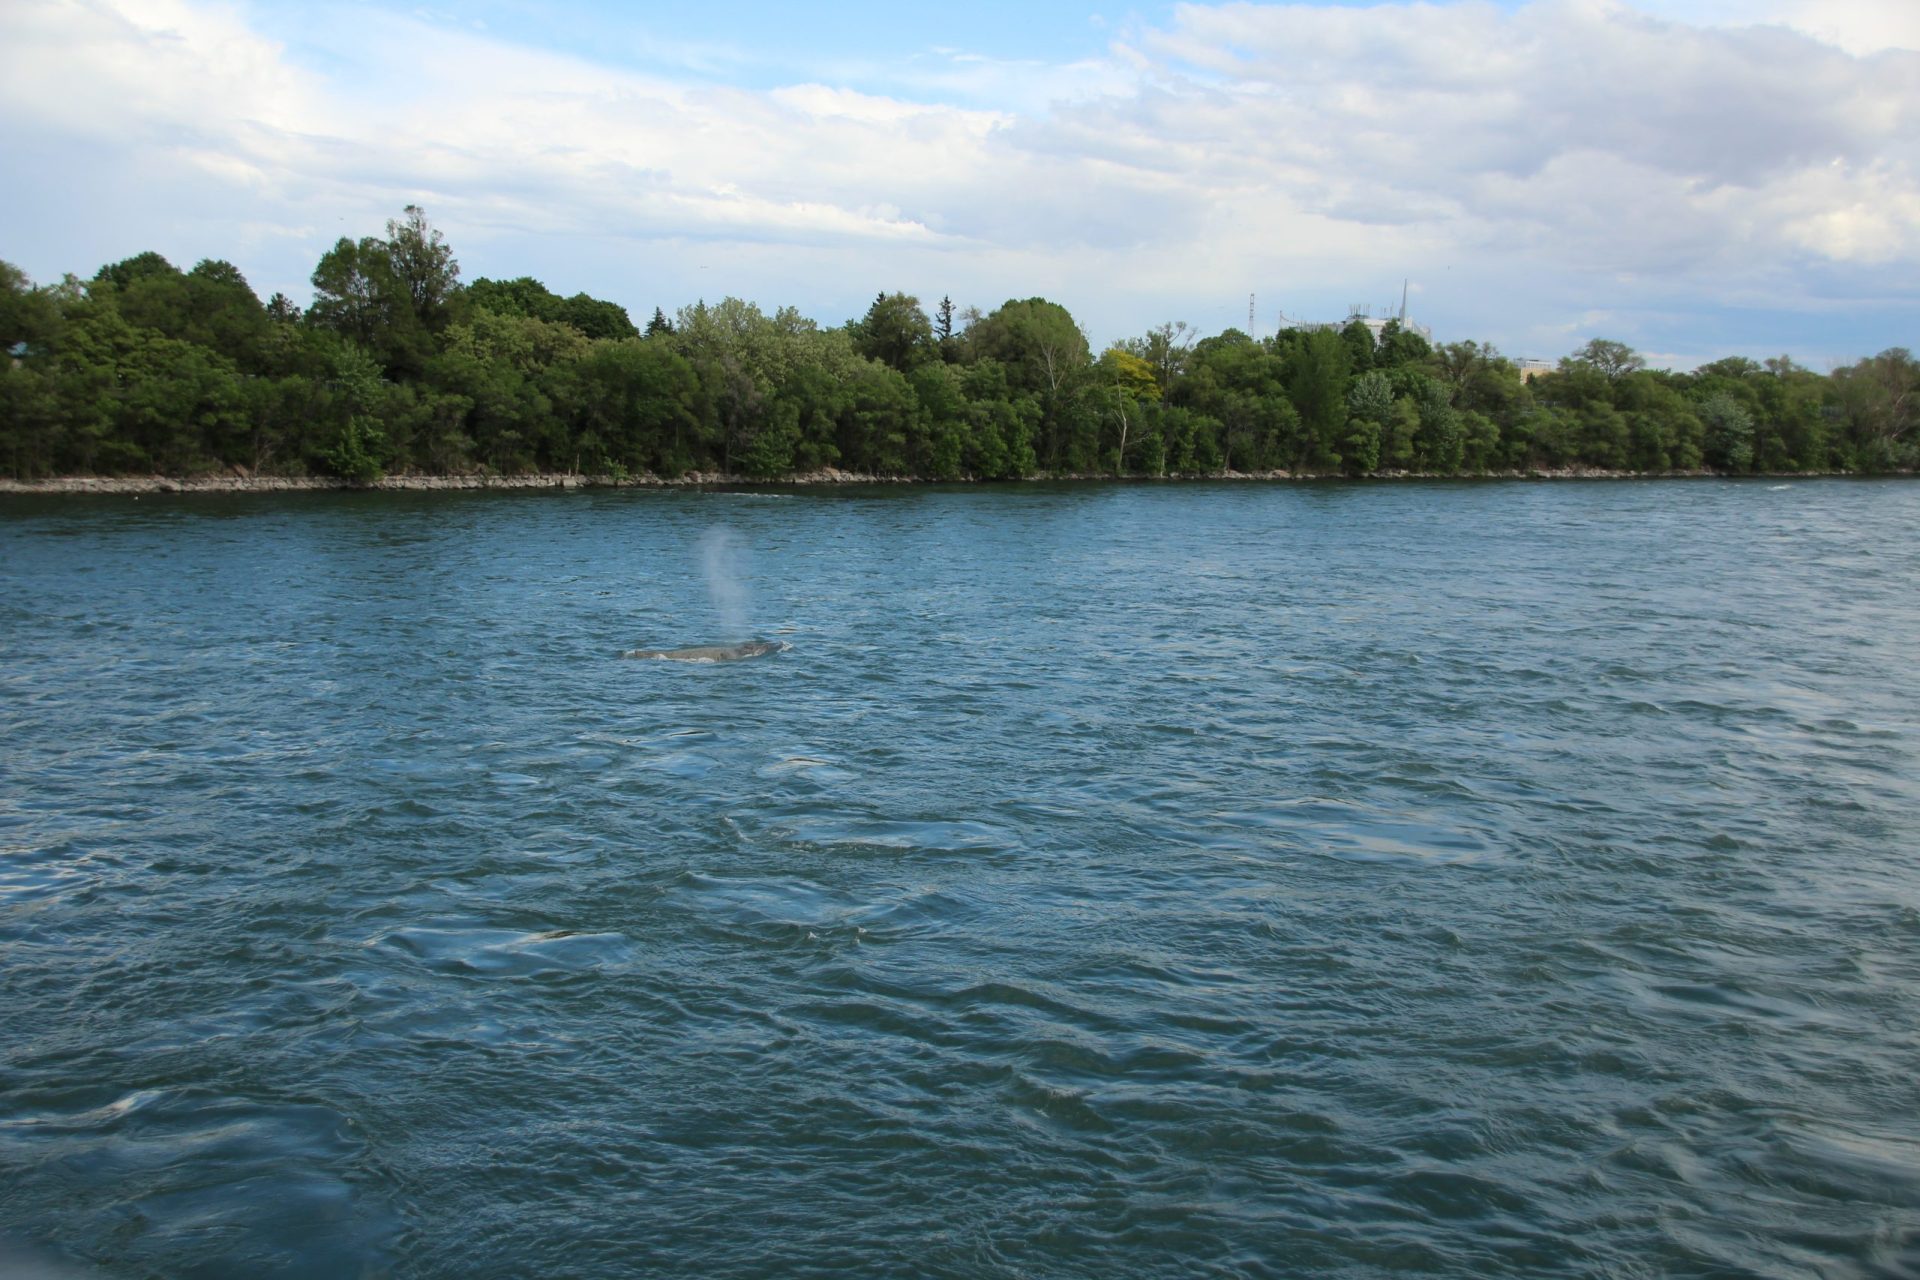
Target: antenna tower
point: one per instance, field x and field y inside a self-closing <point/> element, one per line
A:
<point x="1250" y="332"/>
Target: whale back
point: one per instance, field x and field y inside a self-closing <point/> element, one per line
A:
<point x="709" y="652"/>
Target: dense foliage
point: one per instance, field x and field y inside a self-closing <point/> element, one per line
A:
<point x="397" y="366"/>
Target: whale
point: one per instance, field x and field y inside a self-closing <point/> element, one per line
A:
<point x="710" y="652"/>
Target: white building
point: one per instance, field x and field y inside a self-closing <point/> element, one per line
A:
<point x="1363" y="314"/>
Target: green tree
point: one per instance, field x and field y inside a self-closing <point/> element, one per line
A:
<point x="1397" y="434"/>
<point x="1004" y="424"/>
<point x="1317" y="385"/>
<point x="358" y="296"/>
<point x="1239" y="387"/>
<point x="945" y="415"/>
<point x="741" y="356"/>
<point x="943" y="324"/>
<point x="124" y="274"/>
<point x="598" y="319"/>
<point x="224" y="315"/>
<point x="356" y="457"/>
<point x="895" y="331"/>
<point x="1165" y="348"/>
<point x="1401" y="346"/>
<point x="1799" y="433"/>
<point x="423" y="264"/>
<point x="1192" y="441"/>
<point x="1479" y="442"/>
<point x="880" y="421"/>
<point x="1728" y="445"/>
<point x="1611" y="360"/>
<point x="30" y="326"/>
<point x="1036" y="340"/>
<point x="1602" y="436"/>
<point x="1360" y="345"/>
<point x="1438" y="442"/>
<point x="1046" y="358"/>
<point x="1369" y="411"/>
<point x="521" y="296"/>
<point x="1124" y="385"/>
<point x="29" y="319"/>
<point x="1663" y="430"/>
<point x="1879" y="403"/>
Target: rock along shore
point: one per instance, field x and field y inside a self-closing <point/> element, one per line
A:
<point x="242" y="481"/>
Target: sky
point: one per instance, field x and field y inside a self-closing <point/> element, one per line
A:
<point x="1696" y="178"/>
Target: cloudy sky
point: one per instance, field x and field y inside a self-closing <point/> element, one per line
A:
<point x="1693" y="177"/>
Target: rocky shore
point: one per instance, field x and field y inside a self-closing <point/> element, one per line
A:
<point x="240" y="481"/>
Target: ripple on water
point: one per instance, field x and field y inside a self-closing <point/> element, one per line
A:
<point x="786" y="907"/>
<point x="210" y="1185"/>
<point x="823" y="772"/>
<point x="863" y="831"/>
<point x="509" y="953"/>
<point x="27" y="874"/>
<point x="1365" y="833"/>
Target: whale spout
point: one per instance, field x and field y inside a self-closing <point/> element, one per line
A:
<point x="710" y="652"/>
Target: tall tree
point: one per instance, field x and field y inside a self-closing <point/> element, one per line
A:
<point x="1036" y="339"/>
<point x="423" y="264"/>
<point x="1165" y="348"/>
<point x="1611" y="360"/>
<point x="1126" y="385"/>
<point x="1360" y="345"/>
<point x="597" y="318"/>
<point x="1317" y="384"/>
<point x="357" y="295"/>
<point x="895" y="331"/>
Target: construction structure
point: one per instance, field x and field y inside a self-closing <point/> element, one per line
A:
<point x="1361" y="313"/>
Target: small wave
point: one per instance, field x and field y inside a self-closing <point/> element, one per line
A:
<point x="879" y="833"/>
<point x="508" y="953"/>
<point x="1356" y="833"/>
<point x="811" y="768"/>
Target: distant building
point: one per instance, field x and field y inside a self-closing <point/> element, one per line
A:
<point x="1374" y="326"/>
<point x="1530" y="368"/>
<point x="1362" y="314"/>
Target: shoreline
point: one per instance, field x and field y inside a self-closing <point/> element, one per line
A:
<point x="238" y="483"/>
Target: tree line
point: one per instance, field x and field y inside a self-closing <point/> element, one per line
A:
<point x="397" y="366"/>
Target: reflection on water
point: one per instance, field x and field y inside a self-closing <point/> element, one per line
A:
<point x="1329" y="880"/>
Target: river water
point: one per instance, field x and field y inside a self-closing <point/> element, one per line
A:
<point x="1462" y="880"/>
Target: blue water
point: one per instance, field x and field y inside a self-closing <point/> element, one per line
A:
<point x="1189" y="880"/>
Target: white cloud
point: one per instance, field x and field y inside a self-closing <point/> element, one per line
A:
<point x="1861" y="27"/>
<point x="1566" y="149"/>
<point x="1530" y="167"/>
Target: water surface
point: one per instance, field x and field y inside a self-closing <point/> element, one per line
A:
<point x="1431" y="879"/>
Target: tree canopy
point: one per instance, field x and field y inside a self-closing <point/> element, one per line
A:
<point x="396" y="365"/>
